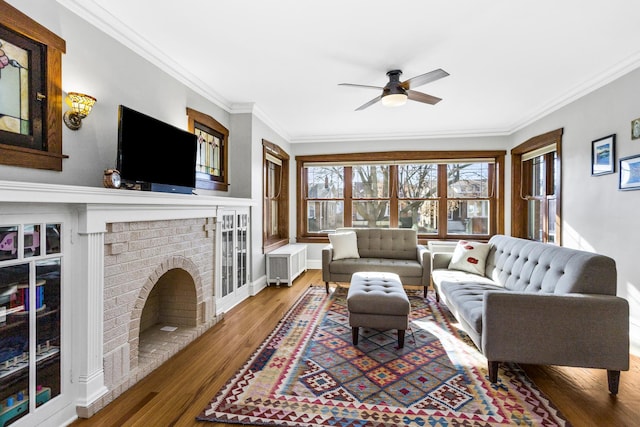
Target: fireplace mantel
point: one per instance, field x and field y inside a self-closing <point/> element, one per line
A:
<point x="111" y="205"/>
<point x="88" y="211"/>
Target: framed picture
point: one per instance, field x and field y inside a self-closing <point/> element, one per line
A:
<point x="635" y="129"/>
<point x="630" y="173"/>
<point x="603" y="154"/>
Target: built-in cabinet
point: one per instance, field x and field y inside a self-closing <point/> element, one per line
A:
<point x="234" y="245"/>
<point x="31" y="373"/>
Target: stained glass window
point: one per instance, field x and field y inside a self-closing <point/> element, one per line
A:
<point x="14" y="87"/>
<point x="209" y="151"/>
<point x="30" y="107"/>
<point x="211" y="154"/>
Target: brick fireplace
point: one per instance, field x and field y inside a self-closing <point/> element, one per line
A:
<point x="158" y="296"/>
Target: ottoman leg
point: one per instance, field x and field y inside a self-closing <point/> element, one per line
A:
<point x="326" y="286"/>
<point x="355" y="331"/>
<point x="400" y="338"/>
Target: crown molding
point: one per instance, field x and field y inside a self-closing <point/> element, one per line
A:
<point x="256" y="111"/>
<point x="581" y="90"/>
<point x="400" y="136"/>
<point x="110" y="25"/>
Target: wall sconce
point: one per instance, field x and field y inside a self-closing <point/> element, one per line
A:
<point x="80" y="105"/>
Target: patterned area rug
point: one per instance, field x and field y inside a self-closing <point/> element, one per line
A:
<point x="308" y="373"/>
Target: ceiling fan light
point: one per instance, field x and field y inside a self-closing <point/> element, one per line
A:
<point x="394" y="100"/>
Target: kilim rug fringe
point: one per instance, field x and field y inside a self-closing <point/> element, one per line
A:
<point x="308" y="373"/>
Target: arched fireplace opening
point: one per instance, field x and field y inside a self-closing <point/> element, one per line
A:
<point x="168" y="319"/>
<point x="171" y="302"/>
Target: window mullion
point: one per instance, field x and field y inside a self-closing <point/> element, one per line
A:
<point x="348" y="196"/>
<point x="393" y="196"/>
<point x="493" y="197"/>
<point x="442" y="201"/>
<point x="549" y="168"/>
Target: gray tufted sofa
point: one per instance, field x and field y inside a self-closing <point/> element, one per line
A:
<point x="540" y="304"/>
<point x="393" y="250"/>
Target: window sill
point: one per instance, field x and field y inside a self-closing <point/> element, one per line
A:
<point x="29" y="158"/>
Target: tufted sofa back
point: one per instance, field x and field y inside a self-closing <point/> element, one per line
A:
<point x="526" y="266"/>
<point x="393" y="243"/>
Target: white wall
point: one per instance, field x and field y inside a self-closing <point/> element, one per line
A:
<point x="596" y="216"/>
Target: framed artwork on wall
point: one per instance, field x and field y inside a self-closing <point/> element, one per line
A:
<point x="635" y="129"/>
<point x="630" y="173"/>
<point x="603" y="154"/>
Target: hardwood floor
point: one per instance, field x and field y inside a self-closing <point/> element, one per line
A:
<point x="176" y="392"/>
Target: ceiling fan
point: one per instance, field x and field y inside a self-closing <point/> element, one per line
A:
<point x="396" y="93"/>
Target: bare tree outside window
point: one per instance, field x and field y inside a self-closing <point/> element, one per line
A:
<point x="371" y="196"/>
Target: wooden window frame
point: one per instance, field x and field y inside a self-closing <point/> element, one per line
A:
<point x="269" y="243"/>
<point x="496" y="225"/>
<point x="50" y="157"/>
<point x="519" y="207"/>
<point x="212" y="183"/>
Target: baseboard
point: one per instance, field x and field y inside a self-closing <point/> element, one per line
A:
<point x="314" y="264"/>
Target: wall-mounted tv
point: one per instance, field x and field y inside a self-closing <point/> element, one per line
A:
<point x="154" y="155"/>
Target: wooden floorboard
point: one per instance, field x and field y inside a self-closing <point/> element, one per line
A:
<point x="176" y="392"/>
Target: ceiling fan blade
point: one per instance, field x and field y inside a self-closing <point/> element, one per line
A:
<point x="370" y="103"/>
<point x="365" y="86"/>
<point x="424" y="78"/>
<point x="414" y="95"/>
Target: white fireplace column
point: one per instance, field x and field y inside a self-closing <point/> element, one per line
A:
<point x="88" y="310"/>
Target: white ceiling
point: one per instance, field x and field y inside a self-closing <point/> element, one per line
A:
<point x="510" y="61"/>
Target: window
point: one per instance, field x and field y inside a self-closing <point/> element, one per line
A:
<point x="536" y="188"/>
<point x="440" y="194"/>
<point x="30" y="83"/>
<point x="275" y="226"/>
<point x="370" y="201"/>
<point x="211" y="154"/>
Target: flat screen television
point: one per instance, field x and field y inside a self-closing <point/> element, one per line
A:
<point x="154" y="155"/>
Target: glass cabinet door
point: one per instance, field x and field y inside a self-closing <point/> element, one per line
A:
<point x="30" y="301"/>
<point x="234" y="240"/>
<point x="241" y="255"/>
<point x="227" y="246"/>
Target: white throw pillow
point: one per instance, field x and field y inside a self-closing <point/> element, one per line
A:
<point x="345" y="245"/>
<point x="470" y="257"/>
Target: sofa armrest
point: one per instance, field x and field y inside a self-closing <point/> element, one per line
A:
<point x="550" y="329"/>
<point x="440" y="260"/>
<point x="327" y="256"/>
<point x="424" y="257"/>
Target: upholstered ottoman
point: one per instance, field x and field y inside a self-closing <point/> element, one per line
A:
<point x="377" y="300"/>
